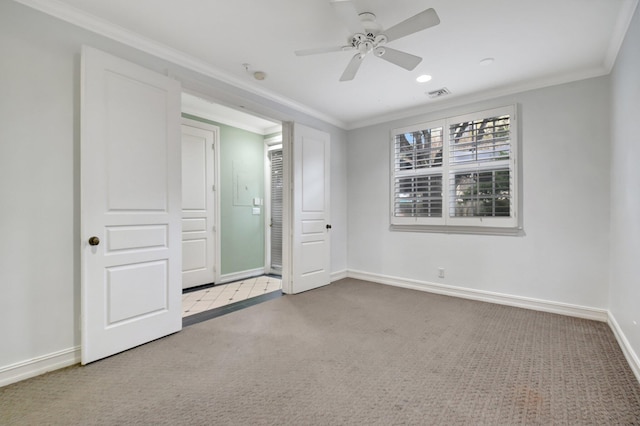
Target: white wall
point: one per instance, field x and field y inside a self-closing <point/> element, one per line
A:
<point x="39" y="184"/>
<point x="338" y="204"/>
<point x="625" y="188"/>
<point x="564" y="254"/>
<point x="39" y="178"/>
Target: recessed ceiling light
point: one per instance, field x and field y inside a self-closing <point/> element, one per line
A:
<point x="486" y="61"/>
<point x="423" y="78"/>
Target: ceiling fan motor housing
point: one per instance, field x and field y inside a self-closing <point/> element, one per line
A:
<point x="365" y="43"/>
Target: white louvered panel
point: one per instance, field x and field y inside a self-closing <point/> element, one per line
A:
<point x="483" y="193"/>
<point x="276" y="209"/>
<point x="482" y="140"/>
<point x="419" y="196"/>
<point x="419" y="149"/>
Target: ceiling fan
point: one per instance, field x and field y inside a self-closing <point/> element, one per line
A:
<point x="368" y="36"/>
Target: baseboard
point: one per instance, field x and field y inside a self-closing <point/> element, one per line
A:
<point x="335" y="276"/>
<point x="43" y="364"/>
<point x="242" y="275"/>
<point x="629" y="353"/>
<point x="486" y="296"/>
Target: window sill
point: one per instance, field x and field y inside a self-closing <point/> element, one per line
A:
<point x="475" y="230"/>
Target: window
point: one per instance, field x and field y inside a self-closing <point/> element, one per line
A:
<point x="457" y="173"/>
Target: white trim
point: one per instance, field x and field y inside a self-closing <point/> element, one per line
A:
<point x="458" y="229"/>
<point x="627" y="350"/>
<point x="203" y="113"/>
<point x="625" y="15"/>
<point x="107" y="29"/>
<point x="34" y="367"/>
<point x="274" y="142"/>
<point x="336" y="276"/>
<point x="242" y="275"/>
<point x="486" y="296"/>
<point x="39" y="365"/>
<point x="275" y="129"/>
<point x="287" y="206"/>
<point x="453" y="101"/>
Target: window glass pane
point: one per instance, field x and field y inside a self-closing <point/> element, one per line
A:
<point x="419" y="150"/>
<point x="481" y="140"/>
<point x="419" y="196"/>
<point x="485" y="194"/>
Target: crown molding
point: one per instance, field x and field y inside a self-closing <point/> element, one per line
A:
<point x="455" y="101"/>
<point x="237" y="119"/>
<point x="619" y="32"/>
<point x="109" y="30"/>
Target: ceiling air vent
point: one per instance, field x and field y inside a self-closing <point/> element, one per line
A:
<point x="440" y="92"/>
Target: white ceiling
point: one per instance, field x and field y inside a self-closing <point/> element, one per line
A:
<point x="535" y="43"/>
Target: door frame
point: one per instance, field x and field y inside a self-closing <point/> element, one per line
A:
<point x="211" y="94"/>
<point x="287" y="206"/>
<point x="216" y="193"/>
<point x="270" y="144"/>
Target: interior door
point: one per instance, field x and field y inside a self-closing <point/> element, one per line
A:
<point x="130" y="205"/>
<point x="311" y="225"/>
<point x="198" y="203"/>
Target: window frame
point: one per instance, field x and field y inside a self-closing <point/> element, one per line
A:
<point x="507" y="225"/>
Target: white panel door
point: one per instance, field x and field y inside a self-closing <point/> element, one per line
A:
<point x="198" y="204"/>
<point x="130" y="205"/>
<point x="311" y="226"/>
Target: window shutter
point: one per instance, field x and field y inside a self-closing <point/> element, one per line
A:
<point x="418" y="177"/>
<point x="480" y="168"/>
<point x="459" y="172"/>
<point x="276" y="209"/>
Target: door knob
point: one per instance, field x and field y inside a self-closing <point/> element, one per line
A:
<point x="94" y="241"/>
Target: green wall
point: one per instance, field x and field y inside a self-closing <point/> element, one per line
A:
<point x="241" y="180"/>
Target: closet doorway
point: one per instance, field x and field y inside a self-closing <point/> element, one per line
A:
<point x="241" y="215"/>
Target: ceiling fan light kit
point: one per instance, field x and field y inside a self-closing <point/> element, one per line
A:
<point x="368" y="36"/>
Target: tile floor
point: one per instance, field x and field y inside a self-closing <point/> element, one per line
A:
<point x="226" y="294"/>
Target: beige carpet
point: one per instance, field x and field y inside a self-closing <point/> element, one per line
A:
<point x="350" y="353"/>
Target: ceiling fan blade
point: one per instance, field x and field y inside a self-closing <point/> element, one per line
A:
<point x="351" y="70"/>
<point x="401" y="59"/>
<point x="318" y="50"/>
<point x="423" y="20"/>
<point x="347" y="12"/>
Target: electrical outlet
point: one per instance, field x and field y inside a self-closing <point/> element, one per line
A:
<point x="441" y="272"/>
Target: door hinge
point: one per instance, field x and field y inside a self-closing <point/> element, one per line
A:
<point x="213" y="146"/>
<point x="213" y="228"/>
<point x="213" y="187"/>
